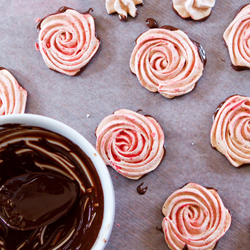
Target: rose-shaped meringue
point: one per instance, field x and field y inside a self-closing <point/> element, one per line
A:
<point x="237" y="39"/>
<point x="12" y="96"/>
<point x="167" y="61"/>
<point x="131" y="143"/>
<point x="123" y="7"/>
<point x="67" y="40"/>
<point x="195" y="218"/>
<point x="196" y="9"/>
<point x="230" y="133"/>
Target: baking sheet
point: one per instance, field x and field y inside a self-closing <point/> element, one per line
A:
<point x="107" y="85"/>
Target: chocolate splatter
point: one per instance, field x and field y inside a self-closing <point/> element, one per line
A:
<point x="141" y="190"/>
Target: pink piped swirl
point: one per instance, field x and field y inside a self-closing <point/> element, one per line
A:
<point x="12" y="96"/>
<point x="131" y="143"/>
<point x="195" y="218"/>
<point x="67" y="41"/>
<point x="237" y="38"/>
<point x="166" y="61"/>
<point x="230" y="133"/>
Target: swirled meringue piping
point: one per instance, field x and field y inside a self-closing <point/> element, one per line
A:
<point x="166" y="61"/>
<point x="236" y="37"/>
<point x="131" y="143"/>
<point x="195" y="217"/>
<point x="12" y="96"/>
<point x="123" y="7"/>
<point x="230" y="130"/>
<point x="195" y="9"/>
<point x="67" y="40"/>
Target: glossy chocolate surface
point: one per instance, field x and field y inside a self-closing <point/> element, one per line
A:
<point x="141" y="190"/>
<point x="201" y="52"/>
<point x="34" y="149"/>
<point x="185" y="247"/>
<point x="36" y="199"/>
<point x="151" y="23"/>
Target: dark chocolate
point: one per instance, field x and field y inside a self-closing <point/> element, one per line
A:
<point x="168" y="27"/>
<point x="159" y="228"/>
<point x="141" y="190"/>
<point x="39" y="150"/>
<point x="217" y="110"/>
<point x="122" y="18"/>
<point x="201" y="52"/>
<point x="240" y="9"/>
<point x="239" y="68"/>
<point x="219" y="106"/>
<point x="48" y="197"/>
<point x="185" y="247"/>
<point x="151" y="23"/>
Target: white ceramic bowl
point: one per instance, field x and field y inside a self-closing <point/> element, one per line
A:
<point x="74" y="136"/>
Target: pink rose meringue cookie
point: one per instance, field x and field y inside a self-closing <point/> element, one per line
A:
<point x="196" y="9"/>
<point x="131" y="143"/>
<point x="12" y="96"/>
<point x="67" y="40"/>
<point x="123" y="7"/>
<point x="166" y="60"/>
<point x="195" y="218"/>
<point x="236" y="37"/>
<point x="230" y="133"/>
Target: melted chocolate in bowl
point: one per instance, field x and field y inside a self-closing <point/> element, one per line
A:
<point x="33" y="149"/>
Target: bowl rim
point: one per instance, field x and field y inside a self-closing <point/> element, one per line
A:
<point x="70" y="133"/>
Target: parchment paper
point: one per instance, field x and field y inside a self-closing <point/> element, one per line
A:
<point x="107" y="85"/>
